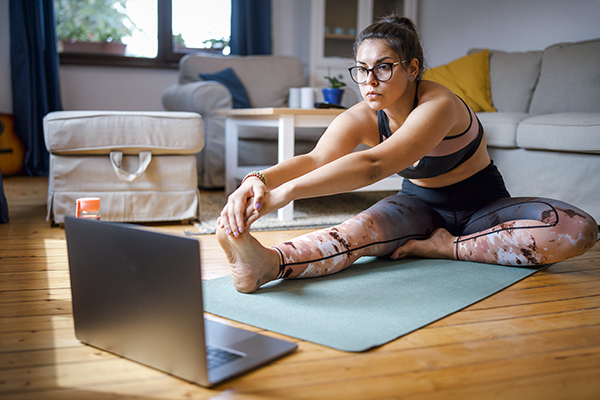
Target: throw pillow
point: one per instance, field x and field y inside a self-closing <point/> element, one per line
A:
<point x="468" y="77"/>
<point x="228" y="78"/>
<point x="569" y="80"/>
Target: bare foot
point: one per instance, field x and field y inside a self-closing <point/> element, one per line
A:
<point x="438" y="245"/>
<point x="252" y="264"/>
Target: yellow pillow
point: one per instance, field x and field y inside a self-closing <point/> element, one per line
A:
<point x="468" y="77"/>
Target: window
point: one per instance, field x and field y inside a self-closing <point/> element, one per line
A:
<point x="152" y="33"/>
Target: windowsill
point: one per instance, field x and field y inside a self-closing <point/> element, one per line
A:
<point x="101" y="60"/>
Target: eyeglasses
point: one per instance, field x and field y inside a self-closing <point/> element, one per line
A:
<point x="382" y="72"/>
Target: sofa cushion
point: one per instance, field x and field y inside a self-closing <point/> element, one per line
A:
<point x="468" y="77"/>
<point x="569" y="79"/>
<point x="228" y="78"/>
<point x="501" y="128"/>
<point x="267" y="79"/>
<point x="571" y="132"/>
<point x="512" y="79"/>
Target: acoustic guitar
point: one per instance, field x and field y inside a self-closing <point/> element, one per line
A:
<point x="12" y="150"/>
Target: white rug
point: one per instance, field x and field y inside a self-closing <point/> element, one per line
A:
<point x="308" y="213"/>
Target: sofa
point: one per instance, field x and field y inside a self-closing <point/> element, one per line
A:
<point x="545" y="135"/>
<point x="204" y="87"/>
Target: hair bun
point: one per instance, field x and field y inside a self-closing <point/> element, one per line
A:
<point x="397" y="19"/>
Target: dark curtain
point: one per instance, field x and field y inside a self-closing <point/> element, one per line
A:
<point x="250" y="27"/>
<point x="35" y="82"/>
<point x="3" y="204"/>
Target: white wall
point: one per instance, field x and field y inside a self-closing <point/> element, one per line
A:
<point x="111" y="88"/>
<point x="291" y="29"/>
<point x="448" y="29"/>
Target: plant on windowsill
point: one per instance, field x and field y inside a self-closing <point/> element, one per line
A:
<point x="333" y="94"/>
<point x="92" y="26"/>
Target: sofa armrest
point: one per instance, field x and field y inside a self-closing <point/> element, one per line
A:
<point x="203" y="97"/>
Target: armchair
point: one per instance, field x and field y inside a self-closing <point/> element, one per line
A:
<point x="267" y="80"/>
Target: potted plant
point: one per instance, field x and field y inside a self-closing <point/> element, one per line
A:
<point x="333" y="94"/>
<point x="92" y="26"/>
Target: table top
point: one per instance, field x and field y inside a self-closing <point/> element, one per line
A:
<point x="271" y="111"/>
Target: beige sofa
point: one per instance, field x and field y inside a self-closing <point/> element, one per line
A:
<point x="545" y="137"/>
<point x="267" y="81"/>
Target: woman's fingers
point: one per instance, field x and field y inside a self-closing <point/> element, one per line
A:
<point x="243" y="208"/>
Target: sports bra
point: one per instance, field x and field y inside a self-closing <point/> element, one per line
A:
<point x="449" y="154"/>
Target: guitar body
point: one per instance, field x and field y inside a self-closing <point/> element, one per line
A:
<point x="12" y="151"/>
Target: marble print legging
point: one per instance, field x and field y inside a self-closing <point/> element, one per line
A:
<point x="507" y="231"/>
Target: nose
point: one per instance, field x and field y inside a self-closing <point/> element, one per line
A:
<point x="371" y="79"/>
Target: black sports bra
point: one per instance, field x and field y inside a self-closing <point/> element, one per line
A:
<point x="449" y="154"/>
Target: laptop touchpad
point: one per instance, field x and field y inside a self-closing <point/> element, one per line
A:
<point x="223" y="335"/>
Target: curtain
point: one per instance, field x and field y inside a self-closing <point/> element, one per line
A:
<point x="250" y="27"/>
<point x="3" y="204"/>
<point x="35" y="82"/>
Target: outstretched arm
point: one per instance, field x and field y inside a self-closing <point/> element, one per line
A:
<point x="247" y="203"/>
<point x="334" y="168"/>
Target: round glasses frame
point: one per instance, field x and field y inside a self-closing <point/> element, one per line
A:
<point x="354" y="70"/>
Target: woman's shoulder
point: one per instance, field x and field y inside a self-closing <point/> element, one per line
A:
<point x="435" y="93"/>
<point x="455" y="111"/>
<point x="360" y="114"/>
<point x="433" y="90"/>
<point x="358" y="121"/>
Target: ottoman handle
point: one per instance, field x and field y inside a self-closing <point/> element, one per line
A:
<point x="116" y="158"/>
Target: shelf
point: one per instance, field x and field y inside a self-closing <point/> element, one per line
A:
<point x="342" y="37"/>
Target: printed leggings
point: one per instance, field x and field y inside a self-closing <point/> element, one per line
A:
<point x="507" y="231"/>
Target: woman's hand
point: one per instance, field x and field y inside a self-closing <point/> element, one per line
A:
<point x="245" y="202"/>
<point x="245" y="207"/>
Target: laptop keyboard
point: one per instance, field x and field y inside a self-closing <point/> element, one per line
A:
<point x="217" y="356"/>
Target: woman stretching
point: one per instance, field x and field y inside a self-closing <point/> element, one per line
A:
<point x="453" y="203"/>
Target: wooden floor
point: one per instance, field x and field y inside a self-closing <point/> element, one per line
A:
<point x="538" y="339"/>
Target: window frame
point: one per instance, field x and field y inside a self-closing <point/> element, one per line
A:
<point x="165" y="57"/>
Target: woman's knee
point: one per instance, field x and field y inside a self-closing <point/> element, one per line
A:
<point x="577" y="229"/>
<point x="530" y="231"/>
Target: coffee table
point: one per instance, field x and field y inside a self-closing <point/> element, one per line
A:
<point x="286" y="119"/>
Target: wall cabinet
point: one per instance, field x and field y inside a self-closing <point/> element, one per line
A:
<point x="334" y="25"/>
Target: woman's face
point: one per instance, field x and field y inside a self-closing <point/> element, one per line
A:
<point x="380" y="95"/>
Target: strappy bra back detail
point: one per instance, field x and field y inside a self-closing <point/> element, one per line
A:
<point x="449" y="154"/>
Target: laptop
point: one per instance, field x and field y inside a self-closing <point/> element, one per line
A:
<point x="138" y="294"/>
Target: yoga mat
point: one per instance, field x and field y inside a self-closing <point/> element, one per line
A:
<point x="367" y="305"/>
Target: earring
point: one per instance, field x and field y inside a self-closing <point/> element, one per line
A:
<point x="411" y="77"/>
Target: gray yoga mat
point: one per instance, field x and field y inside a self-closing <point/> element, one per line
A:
<point x="369" y="304"/>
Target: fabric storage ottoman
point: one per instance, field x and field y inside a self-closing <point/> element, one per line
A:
<point x="142" y="165"/>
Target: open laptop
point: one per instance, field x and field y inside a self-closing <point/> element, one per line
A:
<point x="138" y="294"/>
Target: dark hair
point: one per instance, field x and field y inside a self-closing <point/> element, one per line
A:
<point x="401" y="35"/>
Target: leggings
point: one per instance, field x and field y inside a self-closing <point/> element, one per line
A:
<point x="489" y="226"/>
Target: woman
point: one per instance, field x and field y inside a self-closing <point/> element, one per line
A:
<point x="453" y="203"/>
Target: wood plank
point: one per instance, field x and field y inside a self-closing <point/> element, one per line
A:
<point x="36" y="323"/>
<point x="34" y="280"/>
<point x="539" y="294"/>
<point x="519" y="311"/>
<point x="53" y="293"/>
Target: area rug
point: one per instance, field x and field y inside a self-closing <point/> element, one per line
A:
<point x="308" y="213"/>
<point x="367" y="305"/>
